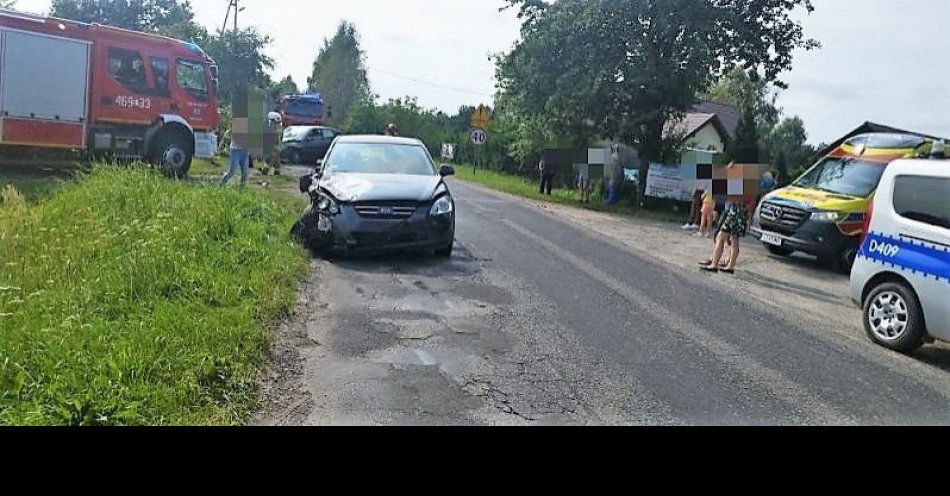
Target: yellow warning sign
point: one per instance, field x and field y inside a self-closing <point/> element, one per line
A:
<point x="480" y="117"/>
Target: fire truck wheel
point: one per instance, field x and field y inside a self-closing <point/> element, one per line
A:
<point x="173" y="155"/>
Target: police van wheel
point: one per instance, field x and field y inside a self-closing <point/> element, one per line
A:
<point x="892" y="317"/>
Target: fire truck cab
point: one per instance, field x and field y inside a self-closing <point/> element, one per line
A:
<point x="105" y="91"/>
<point x="302" y="110"/>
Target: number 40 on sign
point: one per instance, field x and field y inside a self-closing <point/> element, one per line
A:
<point x="478" y="137"/>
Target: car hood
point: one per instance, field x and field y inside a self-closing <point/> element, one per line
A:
<point x="376" y="187"/>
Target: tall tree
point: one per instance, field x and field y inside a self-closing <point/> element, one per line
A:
<point x="284" y="87"/>
<point x="625" y="68"/>
<point x="747" y="91"/>
<point x="139" y="15"/>
<point x="339" y="72"/>
<point x="791" y="153"/>
<point x="242" y="63"/>
<point x="745" y="147"/>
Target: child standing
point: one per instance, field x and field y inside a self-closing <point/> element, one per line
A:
<point x="707" y="212"/>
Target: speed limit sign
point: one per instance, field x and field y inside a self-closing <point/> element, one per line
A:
<point x="478" y="137"/>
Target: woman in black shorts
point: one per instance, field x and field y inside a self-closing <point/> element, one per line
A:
<point x="733" y="226"/>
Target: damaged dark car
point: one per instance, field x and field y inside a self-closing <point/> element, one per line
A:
<point x="377" y="193"/>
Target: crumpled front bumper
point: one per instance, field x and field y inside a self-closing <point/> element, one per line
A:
<point x="351" y="232"/>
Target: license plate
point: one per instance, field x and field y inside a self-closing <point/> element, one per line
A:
<point x="771" y="239"/>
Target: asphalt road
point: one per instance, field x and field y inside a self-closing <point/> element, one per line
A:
<point x="538" y="320"/>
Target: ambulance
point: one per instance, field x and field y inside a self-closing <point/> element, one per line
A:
<point x="822" y="212"/>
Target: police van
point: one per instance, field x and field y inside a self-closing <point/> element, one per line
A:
<point x="901" y="274"/>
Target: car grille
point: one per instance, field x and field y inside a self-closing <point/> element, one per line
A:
<point x="380" y="239"/>
<point x="781" y="218"/>
<point x="386" y="211"/>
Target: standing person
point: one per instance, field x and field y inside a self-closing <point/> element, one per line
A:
<point x="767" y="184"/>
<point x="547" y="176"/>
<point x="392" y="130"/>
<point x="733" y="227"/>
<point x="707" y="213"/>
<point x="694" y="220"/>
<point x="583" y="182"/>
<point x="273" y="140"/>
<point x="238" y="152"/>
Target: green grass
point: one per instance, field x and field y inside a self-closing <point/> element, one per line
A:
<point x="126" y="298"/>
<point x="519" y="186"/>
<point x="33" y="189"/>
<point x="208" y="167"/>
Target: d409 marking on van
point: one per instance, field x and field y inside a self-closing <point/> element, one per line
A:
<point x="883" y="248"/>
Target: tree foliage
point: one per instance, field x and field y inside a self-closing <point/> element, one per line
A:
<point x="139" y="15"/>
<point x="284" y="87"/>
<point x="789" y="148"/>
<point x="242" y="63"/>
<point x="622" y="69"/>
<point x="339" y="72"/>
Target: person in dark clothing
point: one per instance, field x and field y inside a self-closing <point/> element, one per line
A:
<point x="695" y="211"/>
<point x="547" y="176"/>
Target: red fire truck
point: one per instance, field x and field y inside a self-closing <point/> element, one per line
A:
<point x="301" y="110"/>
<point x="105" y="91"/>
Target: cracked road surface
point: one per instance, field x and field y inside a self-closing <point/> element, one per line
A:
<point x="540" y="319"/>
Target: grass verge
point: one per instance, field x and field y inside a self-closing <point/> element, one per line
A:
<point x="519" y="186"/>
<point x="126" y="298"/>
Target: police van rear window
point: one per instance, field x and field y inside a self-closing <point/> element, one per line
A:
<point x="923" y="199"/>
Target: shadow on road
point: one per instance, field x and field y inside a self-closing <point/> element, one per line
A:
<point x="409" y="262"/>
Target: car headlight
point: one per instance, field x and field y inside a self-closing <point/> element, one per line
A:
<point x="326" y="204"/>
<point x="824" y="216"/>
<point x="442" y="206"/>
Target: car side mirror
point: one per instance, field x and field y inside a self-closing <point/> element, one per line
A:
<point x="446" y="170"/>
<point x="305" y="182"/>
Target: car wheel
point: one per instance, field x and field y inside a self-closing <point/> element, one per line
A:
<point x="777" y="250"/>
<point x="892" y="317"/>
<point x="295" y="157"/>
<point x="305" y="231"/>
<point x="445" y="252"/>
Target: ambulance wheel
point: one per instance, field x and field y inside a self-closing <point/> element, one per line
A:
<point x="173" y="155"/>
<point x="892" y="317"/>
<point x="844" y="259"/>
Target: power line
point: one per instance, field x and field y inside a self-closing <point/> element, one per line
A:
<point x="429" y="83"/>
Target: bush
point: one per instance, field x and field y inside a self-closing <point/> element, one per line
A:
<point x="130" y="299"/>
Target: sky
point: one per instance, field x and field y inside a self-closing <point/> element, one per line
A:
<point x="882" y="60"/>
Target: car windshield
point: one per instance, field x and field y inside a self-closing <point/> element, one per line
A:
<point x="852" y="177"/>
<point x="304" y="108"/>
<point x="296" y="133"/>
<point x="380" y="158"/>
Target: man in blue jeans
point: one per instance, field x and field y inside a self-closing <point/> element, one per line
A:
<point x="239" y="155"/>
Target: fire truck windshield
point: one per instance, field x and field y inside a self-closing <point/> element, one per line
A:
<point x="191" y="77"/>
<point x="303" y="107"/>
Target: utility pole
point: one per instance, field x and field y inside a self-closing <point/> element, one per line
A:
<point x="232" y="4"/>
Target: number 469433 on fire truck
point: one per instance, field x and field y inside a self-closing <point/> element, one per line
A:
<point x="105" y="91"/>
